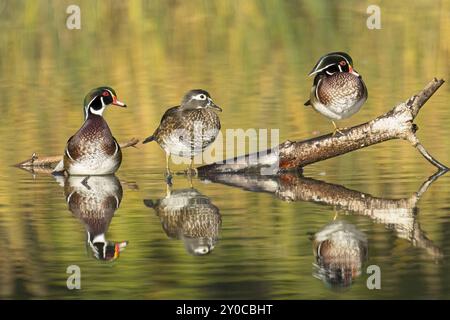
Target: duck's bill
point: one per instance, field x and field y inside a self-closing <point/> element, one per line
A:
<point x="119" y="103"/>
<point x="119" y="247"/>
<point x="215" y="107"/>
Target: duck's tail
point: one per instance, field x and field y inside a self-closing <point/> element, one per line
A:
<point x="149" y="139"/>
<point x="149" y="203"/>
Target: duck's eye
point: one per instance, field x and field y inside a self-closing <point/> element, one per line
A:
<point x="342" y="63"/>
<point x="105" y="93"/>
<point x="202" y="97"/>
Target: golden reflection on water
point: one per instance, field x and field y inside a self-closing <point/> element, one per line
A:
<point x="253" y="57"/>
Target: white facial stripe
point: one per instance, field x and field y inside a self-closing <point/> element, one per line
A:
<point x="89" y="104"/>
<point x="336" y="55"/>
<point x="110" y="92"/>
<point x="348" y="63"/>
<point x="339" y="66"/>
<point x="322" y="68"/>
<point x="87" y="107"/>
<point x="98" y="112"/>
<point x="320" y="61"/>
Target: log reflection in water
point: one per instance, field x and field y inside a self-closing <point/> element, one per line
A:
<point x="396" y="214"/>
<point x="188" y="215"/>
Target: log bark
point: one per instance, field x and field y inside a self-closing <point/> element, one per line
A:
<point x="399" y="215"/>
<point x="294" y="155"/>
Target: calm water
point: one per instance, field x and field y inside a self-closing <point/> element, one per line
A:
<point x="253" y="57"/>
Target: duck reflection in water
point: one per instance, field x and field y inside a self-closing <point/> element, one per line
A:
<point x="340" y="251"/>
<point x="94" y="200"/>
<point x="188" y="215"/>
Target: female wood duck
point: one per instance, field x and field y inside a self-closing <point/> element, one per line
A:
<point x="93" y="150"/>
<point x="188" y="215"/>
<point x="189" y="128"/>
<point x="93" y="200"/>
<point x="338" y="90"/>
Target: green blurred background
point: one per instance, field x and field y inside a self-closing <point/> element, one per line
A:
<point x="253" y="57"/>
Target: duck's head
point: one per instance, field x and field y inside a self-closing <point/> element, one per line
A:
<point x="198" y="246"/>
<point x="333" y="62"/>
<point x="198" y="99"/>
<point x="106" y="250"/>
<point x="98" y="99"/>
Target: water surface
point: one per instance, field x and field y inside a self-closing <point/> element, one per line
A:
<point x="253" y="57"/>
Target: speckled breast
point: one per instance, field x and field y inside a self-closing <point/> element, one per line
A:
<point x="198" y="130"/>
<point x="93" y="150"/>
<point x="343" y="94"/>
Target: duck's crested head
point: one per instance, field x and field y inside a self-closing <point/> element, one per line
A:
<point x="99" y="98"/>
<point x="333" y="62"/>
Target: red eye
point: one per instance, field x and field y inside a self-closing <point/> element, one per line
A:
<point x="342" y="63"/>
<point x="105" y="93"/>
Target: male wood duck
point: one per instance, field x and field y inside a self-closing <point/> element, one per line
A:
<point x="187" y="129"/>
<point x="338" y="90"/>
<point x="94" y="200"/>
<point x="93" y="150"/>
<point x="340" y="251"/>
<point x="188" y="215"/>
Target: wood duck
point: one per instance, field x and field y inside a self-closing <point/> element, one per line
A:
<point x="94" y="200"/>
<point x="189" y="128"/>
<point x="93" y="150"/>
<point x="188" y="215"/>
<point x="340" y="250"/>
<point x="338" y="90"/>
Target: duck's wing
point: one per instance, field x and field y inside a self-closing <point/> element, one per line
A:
<point x="170" y="116"/>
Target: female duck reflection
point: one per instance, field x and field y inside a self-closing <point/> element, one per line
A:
<point x="188" y="215"/>
<point x="340" y="251"/>
<point x="94" y="200"/>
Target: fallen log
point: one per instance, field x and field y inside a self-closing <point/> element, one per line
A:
<point x="294" y="155"/>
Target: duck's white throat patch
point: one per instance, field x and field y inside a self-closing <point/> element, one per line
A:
<point x="97" y="112"/>
<point x="92" y="110"/>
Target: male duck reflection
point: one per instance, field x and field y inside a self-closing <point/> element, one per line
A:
<point x="93" y="200"/>
<point x="93" y="150"/>
<point x="340" y="250"/>
<point x="188" y="215"/>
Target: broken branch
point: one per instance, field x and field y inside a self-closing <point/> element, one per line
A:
<point x="293" y="155"/>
